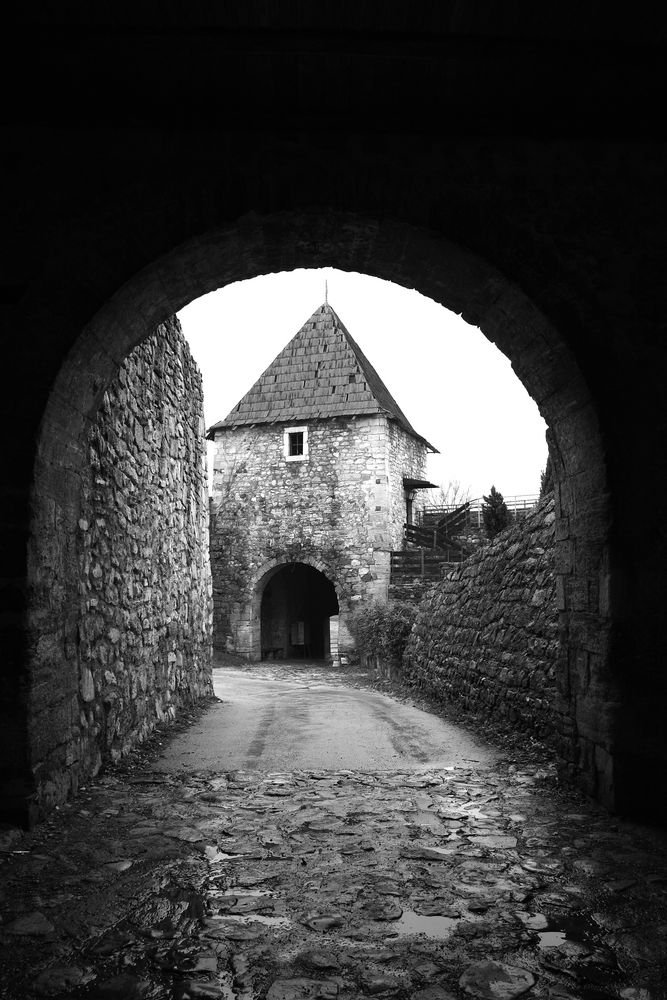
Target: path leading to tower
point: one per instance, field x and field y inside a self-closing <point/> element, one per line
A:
<point x="174" y="877"/>
<point x="285" y="716"/>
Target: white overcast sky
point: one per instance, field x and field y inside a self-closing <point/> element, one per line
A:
<point x="454" y="386"/>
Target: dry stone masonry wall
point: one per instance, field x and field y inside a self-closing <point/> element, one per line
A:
<point x="145" y="589"/>
<point x="486" y="638"/>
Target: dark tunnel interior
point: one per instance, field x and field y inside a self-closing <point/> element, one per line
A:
<point x="297" y="604"/>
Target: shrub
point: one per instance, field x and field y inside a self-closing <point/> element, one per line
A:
<point x="383" y="629"/>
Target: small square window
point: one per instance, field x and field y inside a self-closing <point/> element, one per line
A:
<point x="295" y="439"/>
<point x="295" y="444"/>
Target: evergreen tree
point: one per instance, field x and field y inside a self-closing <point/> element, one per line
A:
<point x="494" y="513"/>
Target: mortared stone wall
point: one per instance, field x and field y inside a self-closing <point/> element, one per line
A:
<point x="341" y="511"/>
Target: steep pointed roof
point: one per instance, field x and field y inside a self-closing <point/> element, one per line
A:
<point x="321" y="373"/>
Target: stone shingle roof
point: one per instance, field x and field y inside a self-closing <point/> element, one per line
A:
<point x="321" y="373"/>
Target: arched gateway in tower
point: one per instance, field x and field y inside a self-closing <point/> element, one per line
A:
<point x="312" y="476"/>
<point x="297" y="606"/>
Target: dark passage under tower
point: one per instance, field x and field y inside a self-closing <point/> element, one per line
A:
<point x="297" y="603"/>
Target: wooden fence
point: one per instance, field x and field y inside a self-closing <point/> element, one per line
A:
<point x="422" y="562"/>
<point x="469" y="515"/>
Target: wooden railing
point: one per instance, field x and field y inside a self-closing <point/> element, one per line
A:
<point x="439" y="532"/>
<point x="422" y="562"/>
<point x="439" y="529"/>
<point x="429" y="537"/>
<point x="470" y="513"/>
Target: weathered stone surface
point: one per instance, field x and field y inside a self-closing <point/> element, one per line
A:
<point x="496" y="981"/>
<point x="433" y="993"/>
<point x="87" y="685"/>
<point x="123" y="987"/>
<point x="302" y="989"/>
<point x="156" y="925"/>
<point x="54" y="980"/>
<point x="487" y="636"/>
<point x="143" y="638"/>
<point x="342" y="511"/>
<point x="31" y="924"/>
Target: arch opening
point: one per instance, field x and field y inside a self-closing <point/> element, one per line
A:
<point x="296" y="608"/>
<point x="446" y="273"/>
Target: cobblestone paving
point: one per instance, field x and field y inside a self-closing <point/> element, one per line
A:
<point x="424" y="884"/>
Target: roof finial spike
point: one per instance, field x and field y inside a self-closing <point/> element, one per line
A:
<point x="326" y="292"/>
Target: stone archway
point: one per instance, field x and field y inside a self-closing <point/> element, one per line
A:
<point x="248" y="622"/>
<point x="414" y="258"/>
<point x="296" y="605"/>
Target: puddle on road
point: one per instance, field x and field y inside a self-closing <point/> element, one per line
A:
<point x="213" y="855"/>
<point x="577" y="928"/>
<point x="417" y="923"/>
<point x="572" y="945"/>
<point x="252" y="918"/>
<point x="551" y="939"/>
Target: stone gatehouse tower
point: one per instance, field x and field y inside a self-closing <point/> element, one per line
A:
<point x="315" y="472"/>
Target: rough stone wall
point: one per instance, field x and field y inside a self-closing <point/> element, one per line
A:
<point x="412" y="589"/>
<point x="144" y="640"/>
<point x="487" y="636"/>
<point x="337" y="511"/>
<point x="407" y="457"/>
